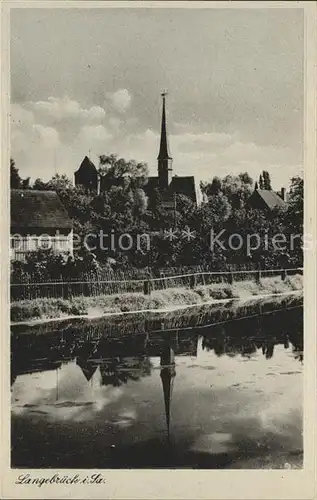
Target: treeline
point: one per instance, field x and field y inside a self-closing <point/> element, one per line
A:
<point x="122" y="207"/>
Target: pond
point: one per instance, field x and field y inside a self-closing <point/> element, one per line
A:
<point x="223" y="396"/>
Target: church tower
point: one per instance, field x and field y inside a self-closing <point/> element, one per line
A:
<point x="165" y="160"/>
<point x="168" y="374"/>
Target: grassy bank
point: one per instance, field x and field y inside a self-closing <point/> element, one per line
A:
<point x="99" y="305"/>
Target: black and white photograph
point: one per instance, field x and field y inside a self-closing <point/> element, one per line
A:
<point x="157" y="246"/>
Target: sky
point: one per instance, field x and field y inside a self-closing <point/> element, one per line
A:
<point x="88" y="82"/>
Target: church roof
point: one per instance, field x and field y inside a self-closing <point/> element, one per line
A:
<point x="38" y="209"/>
<point x="180" y="185"/>
<point x="87" y="164"/>
<point x="269" y="198"/>
<point x="184" y="185"/>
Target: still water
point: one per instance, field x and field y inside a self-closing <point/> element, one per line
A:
<point x="228" y="396"/>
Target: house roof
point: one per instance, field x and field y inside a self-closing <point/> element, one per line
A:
<point x="270" y="198"/>
<point x="38" y="209"/>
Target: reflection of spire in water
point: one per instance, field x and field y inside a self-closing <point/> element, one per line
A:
<point x="269" y="350"/>
<point x="56" y="384"/>
<point x="88" y="369"/>
<point x="168" y="373"/>
<point x="13" y="377"/>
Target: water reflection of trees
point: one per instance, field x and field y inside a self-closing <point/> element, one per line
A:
<point x="246" y="337"/>
<point x="119" y="371"/>
<point x="121" y="358"/>
<point x="231" y="346"/>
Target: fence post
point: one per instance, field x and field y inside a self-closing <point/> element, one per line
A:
<point x="147" y="287"/>
<point x="258" y="276"/>
<point x="66" y="290"/>
<point x="163" y="282"/>
<point x="193" y="281"/>
<point x="230" y="278"/>
<point x="283" y="274"/>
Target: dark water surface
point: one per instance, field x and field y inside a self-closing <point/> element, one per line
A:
<point x="228" y="396"/>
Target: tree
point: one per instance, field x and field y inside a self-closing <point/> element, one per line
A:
<point x="139" y="203"/>
<point x="15" y="179"/>
<point x="237" y="189"/>
<point x="295" y="210"/>
<point x="266" y="180"/>
<point x="261" y="182"/>
<point x="26" y="183"/>
<point x="59" y="183"/>
<point x="40" y="185"/>
<point x="245" y="178"/>
<point x="213" y="188"/>
<point x="120" y="172"/>
<point x="16" y="182"/>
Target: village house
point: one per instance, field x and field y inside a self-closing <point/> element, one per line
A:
<point x="38" y="220"/>
<point x="266" y="199"/>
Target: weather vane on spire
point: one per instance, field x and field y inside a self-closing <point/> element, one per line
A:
<point x="164" y="93"/>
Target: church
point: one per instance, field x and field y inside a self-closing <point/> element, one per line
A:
<point x="165" y="183"/>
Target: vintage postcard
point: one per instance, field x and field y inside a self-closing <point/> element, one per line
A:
<point x="158" y="250"/>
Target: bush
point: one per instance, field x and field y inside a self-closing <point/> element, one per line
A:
<point x="216" y="292"/>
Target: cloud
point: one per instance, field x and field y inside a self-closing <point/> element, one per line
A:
<point x="120" y="100"/>
<point x="187" y="143"/>
<point x="59" y="132"/>
<point x="58" y="109"/>
<point x="208" y="154"/>
<point x="47" y="137"/>
<point x="94" y="133"/>
<point x="20" y="116"/>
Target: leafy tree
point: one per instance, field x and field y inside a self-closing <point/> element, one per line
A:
<point x="40" y="185"/>
<point x="120" y="172"/>
<point x="295" y="213"/>
<point x="122" y="206"/>
<point x="237" y="189"/>
<point x="16" y="182"/>
<point x="266" y="180"/>
<point x="59" y="183"/>
<point x="215" y="187"/>
<point x="15" y="179"/>
<point x="245" y="178"/>
<point x="296" y="194"/>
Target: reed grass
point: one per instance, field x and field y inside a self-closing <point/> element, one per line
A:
<point x="47" y="308"/>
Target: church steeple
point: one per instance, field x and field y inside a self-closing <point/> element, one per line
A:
<point x="165" y="160"/>
<point x="168" y="373"/>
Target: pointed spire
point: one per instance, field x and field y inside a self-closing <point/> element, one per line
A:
<point x="164" y="153"/>
<point x="164" y="159"/>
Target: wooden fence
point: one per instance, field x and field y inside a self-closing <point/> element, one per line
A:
<point x="109" y="283"/>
